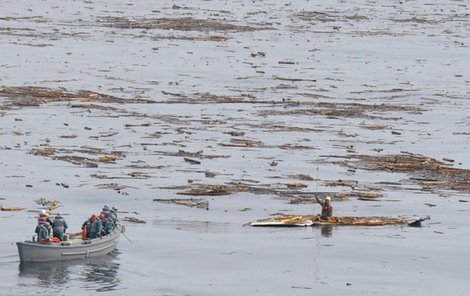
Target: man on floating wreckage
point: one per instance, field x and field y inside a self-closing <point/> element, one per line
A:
<point x="326" y="208"/>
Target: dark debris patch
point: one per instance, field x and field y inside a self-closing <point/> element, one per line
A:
<point x="309" y="198"/>
<point x="180" y="24"/>
<point x="28" y="96"/>
<point x="371" y="111"/>
<point x="325" y="17"/>
<point x="81" y="156"/>
<point x="427" y="172"/>
<point x="189" y="202"/>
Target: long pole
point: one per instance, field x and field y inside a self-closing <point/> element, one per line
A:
<point x="126" y="235"/>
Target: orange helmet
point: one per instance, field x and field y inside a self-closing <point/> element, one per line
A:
<point x="101" y="216"/>
<point x="43" y="219"/>
<point x="93" y="217"/>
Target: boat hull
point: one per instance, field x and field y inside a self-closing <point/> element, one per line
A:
<point x="77" y="249"/>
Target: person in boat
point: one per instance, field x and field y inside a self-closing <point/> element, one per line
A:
<point x="107" y="223"/>
<point x="326" y="208"/>
<point x="95" y="227"/>
<point x="113" y="214"/>
<point x="42" y="230"/>
<point x="86" y="228"/>
<point x="105" y="211"/>
<point x="59" y="226"/>
<point x="44" y="214"/>
<point x="92" y="227"/>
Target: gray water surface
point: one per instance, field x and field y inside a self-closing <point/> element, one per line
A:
<point x="398" y="53"/>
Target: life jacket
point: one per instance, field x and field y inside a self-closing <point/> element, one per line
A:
<point x="58" y="225"/>
<point x="42" y="231"/>
<point x="326" y="211"/>
<point x="108" y="225"/>
<point x="84" y="233"/>
<point x="104" y="222"/>
<point x="113" y="216"/>
<point x="40" y="225"/>
<point x="55" y="240"/>
<point x="95" y="226"/>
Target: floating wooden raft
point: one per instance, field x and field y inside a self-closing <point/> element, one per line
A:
<point x="309" y="220"/>
<point x="11" y="209"/>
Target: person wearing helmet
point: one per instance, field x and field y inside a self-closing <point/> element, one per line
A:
<point x="59" y="226"/>
<point x="95" y="227"/>
<point x="107" y="223"/>
<point x="44" y="214"/>
<point x="86" y="226"/>
<point x="326" y="208"/>
<point x="42" y="230"/>
<point x="113" y="214"/>
<point x="105" y="211"/>
<point x="92" y="226"/>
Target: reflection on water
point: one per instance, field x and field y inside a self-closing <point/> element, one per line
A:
<point x="327" y="230"/>
<point x="99" y="274"/>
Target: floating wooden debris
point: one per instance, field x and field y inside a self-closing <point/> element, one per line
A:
<point x="192" y="161"/>
<point x="286" y="62"/>
<point x="235" y="133"/>
<point x="368" y="196"/>
<point x="345" y="183"/>
<point x="209" y="174"/>
<point x="258" y="54"/>
<point x="448" y="159"/>
<point x="211" y="190"/>
<point x="127" y="125"/>
<point x="310" y="197"/>
<point x="303" y="177"/>
<point x="189" y="202"/>
<point x="296" y="185"/>
<point x="236" y="142"/>
<point x="181" y="24"/>
<point x="78" y="160"/>
<point x="50" y="204"/>
<point x="294" y="79"/>
<point x="139" y="175"/>
<point x="134" y="220"/>
<point x="199" y="154"/>
<point x="72" y="136"/>
<point x="12" y="209"/>
<point x="107" y="158"/>
<point x="427" y="172"/>
<point x="310" y="220"/>
<point x="289" y="146"/>
<point x="355" y="110"/>
<point x="43" y="152"/>
<point x="114" y="186"/>
<point x="35" y="96"/>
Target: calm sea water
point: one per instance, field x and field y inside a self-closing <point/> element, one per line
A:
<point x="412" y="53"/>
